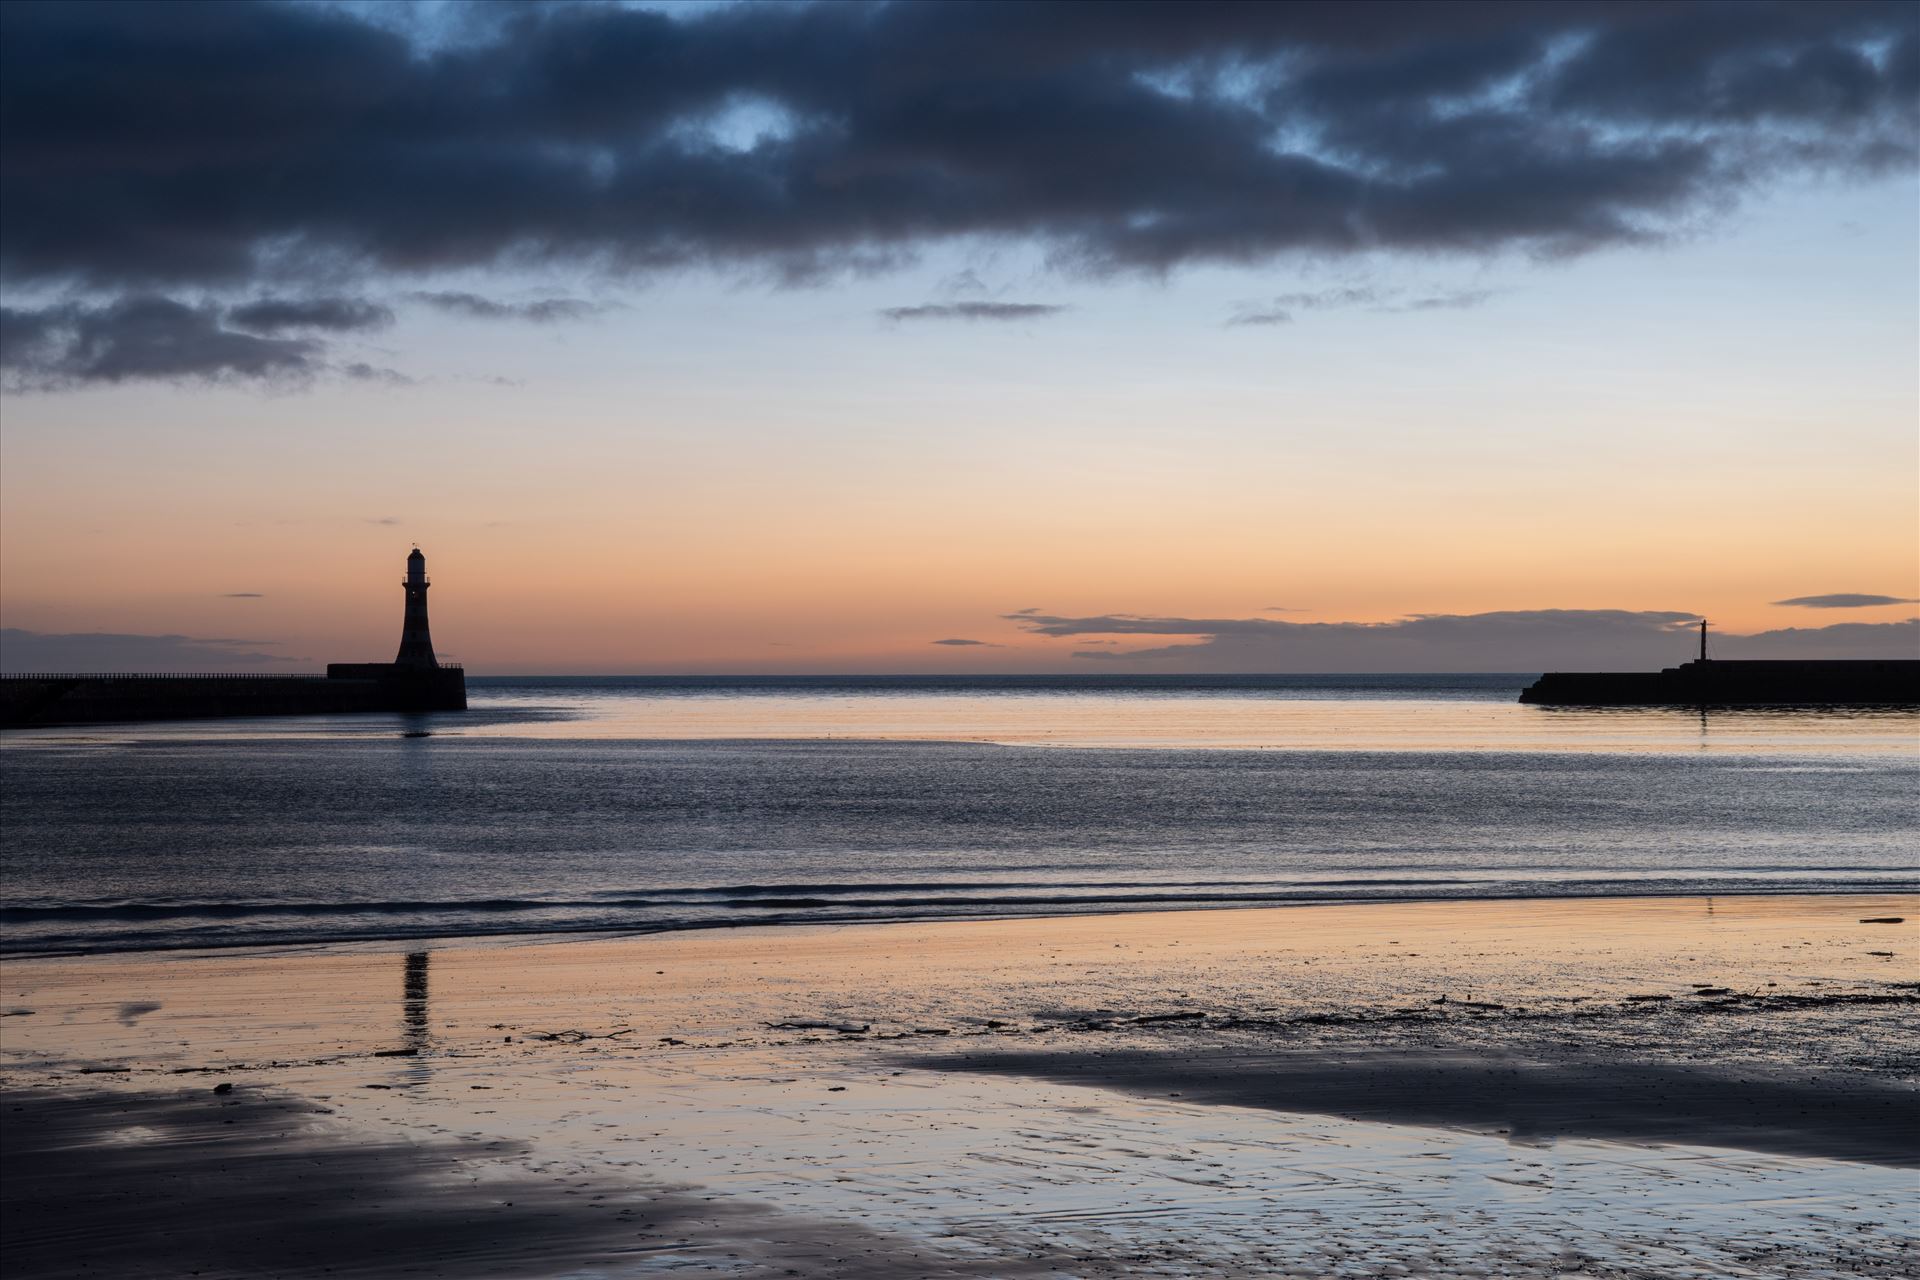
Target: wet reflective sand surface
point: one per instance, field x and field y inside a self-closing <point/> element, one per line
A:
<point x="1604" y="1088"/>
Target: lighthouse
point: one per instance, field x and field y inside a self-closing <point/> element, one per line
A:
<point x="416" y="642"/>
<point x="415" y="680"/>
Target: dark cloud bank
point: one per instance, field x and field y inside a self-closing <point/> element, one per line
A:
<point x="29" y="651"/>
<point x="1513" y="640"/>
<point x="154" y="151"/>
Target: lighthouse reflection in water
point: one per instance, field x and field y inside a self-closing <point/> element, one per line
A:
<point x="416" y="1033"/>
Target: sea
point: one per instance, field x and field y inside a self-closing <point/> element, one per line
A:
<point x="624" y="805"/>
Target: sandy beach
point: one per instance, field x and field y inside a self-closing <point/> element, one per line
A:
<point x="1603" y="1087"/>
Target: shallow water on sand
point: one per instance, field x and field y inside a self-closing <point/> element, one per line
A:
<point x="558" y="806"/>
<point x="745" y="1102"/>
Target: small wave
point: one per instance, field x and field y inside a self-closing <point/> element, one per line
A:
<point x="946" y="886"/>
<point x="231" y="910"/>
<point x="737" y="896"/>
<point x="124" y="927"/>
<point x="619" y="908"/>
<point x="803" y="911"/>
<point x="1288" y="894"/>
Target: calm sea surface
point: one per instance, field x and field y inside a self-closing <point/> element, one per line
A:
<point x="562" y="804"/>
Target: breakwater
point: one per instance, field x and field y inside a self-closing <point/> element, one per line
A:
<point x="102" y="698"/>
<point x="1720" y="683"/>
<point x="414" y="681"/>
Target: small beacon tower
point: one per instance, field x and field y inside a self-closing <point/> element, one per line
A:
<point x="416" y="642"/>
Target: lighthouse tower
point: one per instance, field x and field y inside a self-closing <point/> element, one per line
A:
<point x="416" y="643"/>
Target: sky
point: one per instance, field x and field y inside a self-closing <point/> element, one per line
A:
<point x="958" y="338"/>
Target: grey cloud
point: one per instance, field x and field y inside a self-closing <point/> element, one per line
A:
<point x="142" y="338"/>
<point x="28" y="338"/>
<point x="973" y="311"/>
<point x="244" y="595"/>
<point x="32" y="651"/>
<point x="272" y="315"/>
<point x="1845" y="600"/>
<point x="136" y="138"/>
<point x="476" y="307"/>
<point x="1326" y="299"/>
<point x="383" y="519"/>
<point x="983" y="644"/>
<point x="1839" y="640"/>
<point x="1264" y="316"/>
<point x="1649" y="72"/>
<point x="148" y="338"/>
<point x="1513" y="640"/>
<point x="360" y="371"/>
<point x="1280" y="309"/>
<point x="1457" y="300"/>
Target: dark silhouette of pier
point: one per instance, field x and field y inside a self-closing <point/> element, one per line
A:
<point x="1716" y="682"/>
<point x="414" y="681"/>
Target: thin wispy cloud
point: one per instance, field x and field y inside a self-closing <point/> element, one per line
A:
<point x="1845" y="600"/>
<point x="1266" y="316"/>
<point x="1330" y="299"/>
<point x="1456" y="300"/>
<point x="361" y="371"/>
<point x="970" y="644"/>
<point x="474" y="306"/>
<point x="973" y="311"/>
<point x="1281" y="308"/>
<point x="276" y="315"/>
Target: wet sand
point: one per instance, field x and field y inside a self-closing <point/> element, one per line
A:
<point x="257" y="1183"/>
<point x="1526" y="1099"/>
<point x="1604" y="1087"/>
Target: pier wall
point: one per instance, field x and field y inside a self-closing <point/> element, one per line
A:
<point x="81" y="698"/>
<point x="1719" y="683"/>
